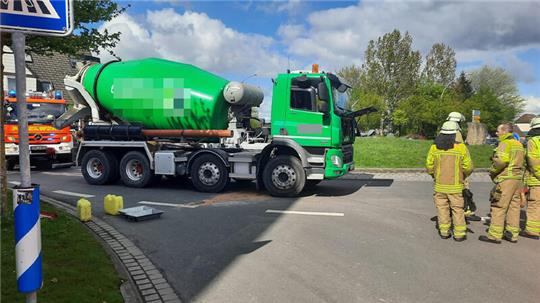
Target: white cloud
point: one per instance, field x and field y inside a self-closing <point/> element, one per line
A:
<point x="532" y="105"/>
<point x="197" y="39"/>
<point x="476" y="30"/>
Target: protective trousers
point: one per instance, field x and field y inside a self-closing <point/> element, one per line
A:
<point x="532" y="226"/>
<point x="505" y="199"/>
<point x="445" y="203"/>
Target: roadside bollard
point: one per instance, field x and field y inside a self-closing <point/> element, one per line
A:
<point x="112" y="204"/>
<point x="27" y="238"/>
<point x="84" y="210"/>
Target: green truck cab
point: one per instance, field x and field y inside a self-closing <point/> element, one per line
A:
<point x="309" y="108"/>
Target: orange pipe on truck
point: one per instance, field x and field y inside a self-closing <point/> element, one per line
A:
<point x="190" y="133"/>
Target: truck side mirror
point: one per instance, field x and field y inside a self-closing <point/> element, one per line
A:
<point x="322" y="90"/>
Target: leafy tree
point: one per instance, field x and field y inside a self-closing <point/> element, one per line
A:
<point x="391" y="71"/>
<point x="440" y="64"/>
<point x="501" y="84"/>
<point x="463" y="87"/>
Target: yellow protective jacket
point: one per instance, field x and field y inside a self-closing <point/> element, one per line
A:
<point x="508" y="160"/>
<point x="449" y="168"/>
<point x="532" y="173"/>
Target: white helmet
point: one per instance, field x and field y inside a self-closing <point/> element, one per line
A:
<point x="535" y="122"/>
<point x="449" y="127"/>
<point x="456" y="117"/>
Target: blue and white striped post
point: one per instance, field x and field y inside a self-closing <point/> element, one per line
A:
<point x="27" y="238"/>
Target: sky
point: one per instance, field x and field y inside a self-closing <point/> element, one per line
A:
<point x="259" y="39"/>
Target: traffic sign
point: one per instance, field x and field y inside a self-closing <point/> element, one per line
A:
<point x="38" y="17"/>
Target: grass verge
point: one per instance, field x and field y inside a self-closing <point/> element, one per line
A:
<point x="387" y="152"/>
<point x="75" y="266"/>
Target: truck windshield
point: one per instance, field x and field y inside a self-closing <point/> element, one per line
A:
<point x="37" y="112"/>
<point x="342" y="99"/>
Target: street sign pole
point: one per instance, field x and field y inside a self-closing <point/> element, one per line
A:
<point x="32" y="17"/>
<point x="18" y="43"/>
<point x="19" y="40"/>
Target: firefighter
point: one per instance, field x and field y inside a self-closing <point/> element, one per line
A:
<point x="507" y="173"/>
<point x="470" y="207"/>
<point x="449" y="163"/>
<point x="532" y="180"/>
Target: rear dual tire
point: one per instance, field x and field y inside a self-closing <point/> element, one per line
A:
<point x="99" y="167"/>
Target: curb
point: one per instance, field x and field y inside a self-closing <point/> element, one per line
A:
<point x="143" y="281"/>
<point x="402" y="170"/>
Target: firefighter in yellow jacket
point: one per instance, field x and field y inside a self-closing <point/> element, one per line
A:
<point x="459" y="118"/>
<point x="532" y="179"/>
<point x="449" y="163"/>
<point x="507" y="172"/>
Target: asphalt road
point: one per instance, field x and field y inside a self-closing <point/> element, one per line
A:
<point x="365" y="240"/>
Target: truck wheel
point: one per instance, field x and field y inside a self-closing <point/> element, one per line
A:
<point x="99" y="167"/>
<point x="209" y="174"/>
<point x="135" y="170"/>
<point x="284" y="176"/>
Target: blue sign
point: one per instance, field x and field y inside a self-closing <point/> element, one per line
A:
<point x="38" y="17"/>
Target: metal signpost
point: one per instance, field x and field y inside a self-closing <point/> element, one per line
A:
<point x="32" y="17"/>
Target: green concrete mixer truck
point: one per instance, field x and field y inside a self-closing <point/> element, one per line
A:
<point x="149" y="118"/>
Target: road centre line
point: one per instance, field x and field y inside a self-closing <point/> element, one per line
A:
<point x="69" y="193"/>
<point x="167" y="204"/>
<point x="308" y="213"/>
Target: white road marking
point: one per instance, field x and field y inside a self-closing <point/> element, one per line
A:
<point x="308" y="213"/>
<point x="69" y="193"/>
<point x="61" y="174"/>
<point x="15" y="182"/>
<point x="167" y="204"/>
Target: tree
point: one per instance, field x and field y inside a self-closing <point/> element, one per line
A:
<point x="390" y="70"/>
<point x="85" y="38"/>
<point x="463" y="87"/>
<point x="501" y="84"/>
<point x="440" y="64"/>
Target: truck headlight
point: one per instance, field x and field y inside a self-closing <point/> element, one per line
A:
<point x="336" y="160"/>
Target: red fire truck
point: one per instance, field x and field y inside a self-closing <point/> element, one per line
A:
<point x="48" y="145"/>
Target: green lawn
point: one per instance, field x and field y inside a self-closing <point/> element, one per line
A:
<point x="75" y="266"/>
<point x="387" y="152"/>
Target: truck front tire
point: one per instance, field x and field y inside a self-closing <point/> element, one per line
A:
<point x="135" y="170"/>
<point x="209" y="174"/>
<point x="284" y="176"/>
<point x="99" y="167"/>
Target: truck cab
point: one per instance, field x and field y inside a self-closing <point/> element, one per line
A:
<point x="47" y="144"/>
<point x="309" y="108"/>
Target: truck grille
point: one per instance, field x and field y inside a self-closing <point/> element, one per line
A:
<point x="347" y="153"/>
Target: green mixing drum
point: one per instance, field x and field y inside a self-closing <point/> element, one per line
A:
<point x="159" y="94"/>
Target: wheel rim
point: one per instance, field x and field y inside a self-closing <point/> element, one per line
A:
<point x="283" y="176"/>
<point x="134" y="170"/>
<point x="94" y="168"/>
<point x="209" y="173"/>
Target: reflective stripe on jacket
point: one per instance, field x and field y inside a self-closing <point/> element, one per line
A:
<point x="449" y="167"/>
<point x="508" y="160"/>
<point x="532" y="173"/>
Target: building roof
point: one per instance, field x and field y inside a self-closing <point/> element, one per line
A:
<point x="525" y="118"/>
